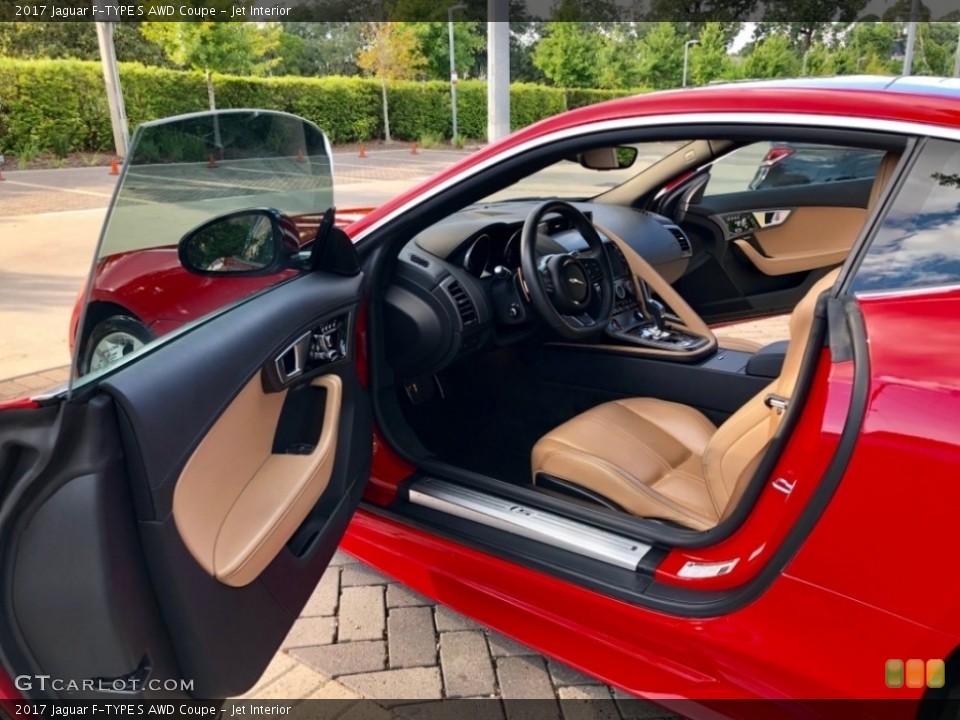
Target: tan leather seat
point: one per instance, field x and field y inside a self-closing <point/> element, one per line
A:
<point x="665" y="460"/>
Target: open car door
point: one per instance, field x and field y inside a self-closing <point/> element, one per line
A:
<point x="163" y="524"/>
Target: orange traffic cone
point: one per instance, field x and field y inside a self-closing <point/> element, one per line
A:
<point x="115" y="166"/>
<point x="300" y="156"/>
<point x="2" y="178"/>
<point x="212" y="163"/>
<point x="362" y="152"/>
<point x="414" y="150"/>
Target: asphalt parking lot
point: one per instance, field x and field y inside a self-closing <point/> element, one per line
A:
<point x="361" y="635"/>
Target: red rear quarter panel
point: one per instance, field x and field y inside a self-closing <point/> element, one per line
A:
<point x="889" y="536"/>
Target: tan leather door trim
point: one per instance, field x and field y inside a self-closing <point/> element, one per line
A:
<point x="811" y="238"/>
<point x="237" y="503"/>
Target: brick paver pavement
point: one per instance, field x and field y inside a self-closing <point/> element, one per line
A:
<point x="364" y="636"/>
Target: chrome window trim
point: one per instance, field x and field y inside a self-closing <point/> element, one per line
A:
<point x="906" y="292"/>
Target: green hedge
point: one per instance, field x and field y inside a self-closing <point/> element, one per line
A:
<point x="60" y="105"/>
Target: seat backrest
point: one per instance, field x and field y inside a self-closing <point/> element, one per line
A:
<point x="884" y="172"/>
<point x="735" y="449"/>
<point x="738" y="445"/>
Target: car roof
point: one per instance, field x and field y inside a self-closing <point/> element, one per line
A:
<point x="918" y="85"/>
<point x="923" y="100"/>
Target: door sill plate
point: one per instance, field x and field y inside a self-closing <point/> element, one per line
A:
<point x="528" y="522"/>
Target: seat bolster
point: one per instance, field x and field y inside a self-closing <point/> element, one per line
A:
<point x="735" y="447"/>
<point x="556" y="458"/>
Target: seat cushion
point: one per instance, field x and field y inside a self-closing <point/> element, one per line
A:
<point x="644" y="454"/>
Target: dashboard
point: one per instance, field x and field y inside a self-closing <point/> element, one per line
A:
<point x="453" y="291"/>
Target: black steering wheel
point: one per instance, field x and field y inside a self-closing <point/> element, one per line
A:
<point x="573" y="292"/>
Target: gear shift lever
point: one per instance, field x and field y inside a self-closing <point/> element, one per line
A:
<point x="653" y="308"/>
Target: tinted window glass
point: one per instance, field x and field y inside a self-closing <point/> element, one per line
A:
<point x="767" y="165"/>
<point x="255" y="175"/>
<point x="918" y="244"/>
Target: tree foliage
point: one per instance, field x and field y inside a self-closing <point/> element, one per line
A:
<point x="567" y="54"/>
<point x="76" y="40"/>
<point x="239" y="48"/>
<point x="661" y="56"/>
<point x="315" y="49"/>
<point x="709" y="60"/>
<point x="434" y="42"/>
<point x="772" y="57"/>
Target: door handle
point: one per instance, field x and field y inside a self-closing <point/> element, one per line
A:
<point x="292" y="362"/>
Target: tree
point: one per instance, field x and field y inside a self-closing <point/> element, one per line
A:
<point x="434" y="41"/>
<point x="568" y="54"/>
<point x="591" y="11"/>
<point x="819" y="61"/>
<point x="524" y="37"/>
<point x="708" y="58"/>
<point x="75" y="40"/>
<point x="619" y="65"/>
<point x="238" y="48"/>
<point x="391" y="53"/>
<point x="320" y="48"/>
<point x="772" y="57"/>
<point x="661" y="57"/>
<point x="701" y="11"/>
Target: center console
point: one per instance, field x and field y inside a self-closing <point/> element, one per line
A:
<point x="631" y="324"/>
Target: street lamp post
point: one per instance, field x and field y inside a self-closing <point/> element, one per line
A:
<point x="911" y="38"/>
<point x="453" y="67"/>
<point x="956" y="64"/>
<point x="686" y="58"/>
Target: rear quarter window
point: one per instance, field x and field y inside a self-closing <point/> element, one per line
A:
<point x="918" y="242"/>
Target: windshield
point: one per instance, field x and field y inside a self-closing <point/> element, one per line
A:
<point x="569" y="180"/>
<point x="189" y="169"/>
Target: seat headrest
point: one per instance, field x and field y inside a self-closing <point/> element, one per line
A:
<point x="884" y="172"/>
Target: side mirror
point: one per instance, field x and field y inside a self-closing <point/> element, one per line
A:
<point x="245" y="242"/>
<point x="608" y="158"/>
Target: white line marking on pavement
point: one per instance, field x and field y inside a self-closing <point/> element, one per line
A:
<point x="60" y="189"/>
<point x="53" y="213"/>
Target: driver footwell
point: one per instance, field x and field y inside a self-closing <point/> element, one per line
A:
<point x="488" y="412"/>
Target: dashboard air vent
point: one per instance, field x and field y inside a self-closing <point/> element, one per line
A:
<point x="686" y="250"/>
<point x="468" y="313"/>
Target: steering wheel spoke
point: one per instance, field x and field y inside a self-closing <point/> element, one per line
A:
<point x="583" y="320"/>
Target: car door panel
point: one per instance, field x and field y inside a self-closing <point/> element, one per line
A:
<point x="235" y="527"/>
<point x="808" y="239"/>
<point x="76" y="602"/>
<point x="235" y="516"/>
<point x="743" y="266"/>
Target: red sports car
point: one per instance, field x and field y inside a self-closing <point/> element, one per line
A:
<point x="506" y="393"/>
